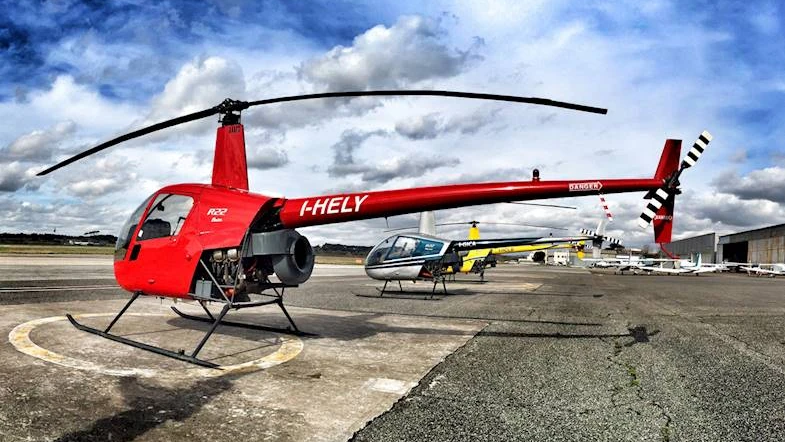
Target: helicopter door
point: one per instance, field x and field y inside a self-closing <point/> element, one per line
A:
<point x="158" y="254"/>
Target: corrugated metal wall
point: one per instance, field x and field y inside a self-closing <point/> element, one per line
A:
<point x="688" y="247"/>
<point x="765" y="245"/>
<point x="767" y="250"/>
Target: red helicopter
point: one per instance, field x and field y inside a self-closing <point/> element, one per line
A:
<point x="218" y="242"/>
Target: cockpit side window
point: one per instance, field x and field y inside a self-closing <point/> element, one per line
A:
<point x="166" y="216"/>
<point x="404" y="247"/>
<point x="124" y="237"/>
<point x="379" y="252"/>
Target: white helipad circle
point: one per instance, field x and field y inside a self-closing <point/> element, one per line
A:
<point x="19" y="337"/>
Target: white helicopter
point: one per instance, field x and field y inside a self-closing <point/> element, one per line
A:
<point x="424" y="256"/>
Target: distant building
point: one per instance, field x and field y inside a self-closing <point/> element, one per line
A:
<point x="689" y="248"/>
<point x="764" y="245"/>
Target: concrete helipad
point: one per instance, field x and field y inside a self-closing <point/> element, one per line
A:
<point x="60" y="383"/>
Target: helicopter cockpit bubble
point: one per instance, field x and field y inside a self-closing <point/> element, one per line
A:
<point x="124" y="237"/>
<point x="402" y="247"/>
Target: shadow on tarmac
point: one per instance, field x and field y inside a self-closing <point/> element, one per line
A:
<point x="639" y="334"/>
<point x="150" y="406"/>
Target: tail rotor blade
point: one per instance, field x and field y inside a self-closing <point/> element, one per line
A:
<point x="604" y="205"/>
<point x="657" y="200"/>
<point x="697" y="150"/>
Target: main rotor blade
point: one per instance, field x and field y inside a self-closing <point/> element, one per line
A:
<point x="131" y="135"/>
<point x="401" y="228"/>
<point x="229" y="105"/>
<point x="437" y="93"/>
<point x="500" y="224"/>
<point x="542" y="205"/>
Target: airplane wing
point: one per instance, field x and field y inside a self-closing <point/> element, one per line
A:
<point x="664" y="270"/>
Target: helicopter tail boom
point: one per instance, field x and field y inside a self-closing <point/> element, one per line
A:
<point x="327" y="209"/>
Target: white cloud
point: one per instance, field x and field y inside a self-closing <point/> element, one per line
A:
<point x="39" y="144"/>
<point x="200" y="84"/>
<point x="15" y="176"/>
<point x="410" y="51"/>
<point x="267" y="158"/>
<point x="66" y="100"/>
<point x="762" y="184"/>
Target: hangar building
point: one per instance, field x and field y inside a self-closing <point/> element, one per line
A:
<point x="765" y="245"/>
<point x="687" y="248"/>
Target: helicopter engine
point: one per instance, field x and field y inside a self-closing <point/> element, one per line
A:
<point x="284" y="252"/>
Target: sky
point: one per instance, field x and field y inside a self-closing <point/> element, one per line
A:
<point x="74" y="74"/>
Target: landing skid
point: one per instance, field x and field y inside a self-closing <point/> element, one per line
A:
<point x="214" y="320"/>
<point x="141" y="345"/>
<point x="418" y="296"/>
<point x="383" y="290"/>
<point x="211" y="318"/>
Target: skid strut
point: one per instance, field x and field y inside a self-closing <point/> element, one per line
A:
<point x="213" y="319"/>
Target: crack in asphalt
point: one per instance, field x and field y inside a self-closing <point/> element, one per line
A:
<point x="638" y="335"/>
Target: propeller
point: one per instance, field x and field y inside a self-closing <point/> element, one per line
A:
<point x="668" y="190"/>
<point x="230" y="106"/>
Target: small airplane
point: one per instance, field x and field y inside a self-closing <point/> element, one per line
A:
<point x="684" y="267"/>
<point x="620" y="263"/>
<point x="771" y="270"/>
<point x="219" y="242"/>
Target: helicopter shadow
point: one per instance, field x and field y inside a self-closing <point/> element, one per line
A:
<point x="343" y="328"/>
<point x="149" y="406"/>
<point x="639" y="335"/>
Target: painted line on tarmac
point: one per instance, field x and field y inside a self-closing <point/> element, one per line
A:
<point x="19" y="337"/>
<point x="57" y="289"/>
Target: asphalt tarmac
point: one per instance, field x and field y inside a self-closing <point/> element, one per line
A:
<point x="536" y="353"/>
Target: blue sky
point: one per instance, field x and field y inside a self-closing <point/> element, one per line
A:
<point x="75" y="73"/>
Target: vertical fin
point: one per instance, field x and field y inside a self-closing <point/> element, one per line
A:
<point x="663" y="220"/>
<point x="669" y="160"/>
<point x="474" y="232"/>
<point x="427" y="223"/>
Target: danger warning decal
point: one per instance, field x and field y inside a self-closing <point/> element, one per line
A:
<point x="582" y="187"/>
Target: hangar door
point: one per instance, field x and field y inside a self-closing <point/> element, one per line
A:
<point x="735" y="252"/>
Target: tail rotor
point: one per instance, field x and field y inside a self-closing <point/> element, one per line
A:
<point x="661" y="202"/>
